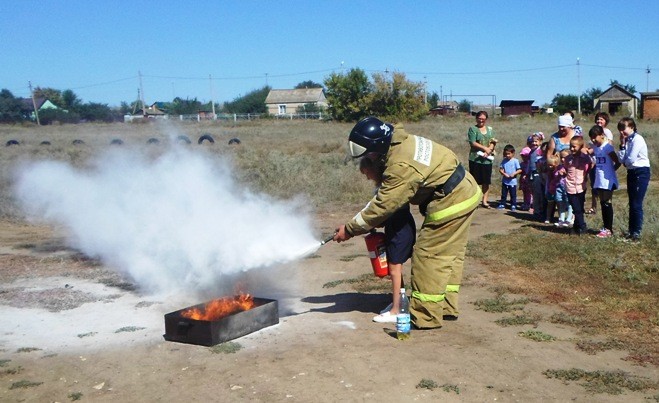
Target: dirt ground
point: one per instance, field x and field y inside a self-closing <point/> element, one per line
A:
<point x="80" y="332"/>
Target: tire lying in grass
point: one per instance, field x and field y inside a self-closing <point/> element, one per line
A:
<point x="183" y="139"/>
<point x="77" y="142"/>
<point x="45" y="143"/>
<point x="153" y="140"/>
<point x="204" y="137"/>
<point x="12" y="143"/>
<point x="117" y="142"/>
<point x="234" y="141"/>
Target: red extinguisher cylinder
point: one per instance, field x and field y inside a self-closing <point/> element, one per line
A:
<point x="377" y="252"/>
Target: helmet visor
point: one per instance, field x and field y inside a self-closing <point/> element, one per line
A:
<point x="356" y="150"/>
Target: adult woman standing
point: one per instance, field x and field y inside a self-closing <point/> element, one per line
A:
<point x="634" y="156"/>
<point x="482" y="142"/>
<point x="560" y="140"/>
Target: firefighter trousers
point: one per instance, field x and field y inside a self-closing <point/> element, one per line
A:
<point x="437" y="264"/>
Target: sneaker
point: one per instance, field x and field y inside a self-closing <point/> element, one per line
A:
<point x="513" y="208"/>
<point x="566" y="224"/>
<point x="500" y="207"/>
<point x="559" y="223"/>
<point x="387" y="309"/>
<point x="547" y="222"/>
<point x="386" y="317"/>
<point x="604" y="233"/>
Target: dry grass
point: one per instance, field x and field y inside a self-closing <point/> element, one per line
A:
<point x="606" y="287"/>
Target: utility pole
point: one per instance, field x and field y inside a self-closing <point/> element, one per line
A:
<point x="425" y="91"/>
<point x="647" y="79"/>
<point x="578" y="88"/>
<point x="141" y="94"/>
<point x="212" y="101"/>
<point x="34" y="103"/>
<point x="266" y="79"/>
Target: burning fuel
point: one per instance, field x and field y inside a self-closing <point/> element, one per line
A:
<point x="220" y="308"/>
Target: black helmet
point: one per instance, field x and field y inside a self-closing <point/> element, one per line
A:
<point x="370" y="135"/>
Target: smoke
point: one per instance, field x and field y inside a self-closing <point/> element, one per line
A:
<point x="175" y="223"/>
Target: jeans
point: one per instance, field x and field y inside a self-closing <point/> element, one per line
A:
<point x="509" y="190"/>
<point x="577" y="202"/>
<point x="637" y="185"/>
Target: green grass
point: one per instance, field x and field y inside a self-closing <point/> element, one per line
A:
<point x="611" y="382"/>
<point x="536" y="335"/>
<point x="24" y="384"/>
<point x="501" y="304"/>
<point x="129" y="329"/>
<point x="226" y="348"/>
<point x="27" y="349"/>
<point x="366" y="282"/>
<point x="518" y="320"/>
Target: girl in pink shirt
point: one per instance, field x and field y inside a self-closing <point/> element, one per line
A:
<point x="576" y="167"/>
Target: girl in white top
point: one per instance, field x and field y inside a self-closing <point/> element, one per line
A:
<point x="605" y="179"/>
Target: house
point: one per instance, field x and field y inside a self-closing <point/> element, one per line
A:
<point x="516" y="108"/>
<point x="27" y="106"/>
<point x="617" y="101"/>
<point x="281" y="102"/>
<point x="444" y="109"/>
<point x="650" y="105"/>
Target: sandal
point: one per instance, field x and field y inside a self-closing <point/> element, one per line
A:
<point x="485" y="205"/>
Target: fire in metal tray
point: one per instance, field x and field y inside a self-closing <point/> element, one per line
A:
<point x="220" y="320"/>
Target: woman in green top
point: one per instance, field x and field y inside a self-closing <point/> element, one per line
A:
<point x="482" y="142"/>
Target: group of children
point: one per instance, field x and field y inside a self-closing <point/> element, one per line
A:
<point x="554" y="177"/>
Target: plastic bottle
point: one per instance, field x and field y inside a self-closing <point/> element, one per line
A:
<point x="403" y="318"/>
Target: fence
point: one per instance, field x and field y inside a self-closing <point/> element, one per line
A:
<point x="233" y="116"/>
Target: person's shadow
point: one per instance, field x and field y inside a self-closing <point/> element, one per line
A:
<point x="349" y="302"/>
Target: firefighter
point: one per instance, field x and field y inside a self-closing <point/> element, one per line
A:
<point x="422" y="172"/>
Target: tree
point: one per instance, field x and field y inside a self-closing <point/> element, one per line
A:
<point x="347" y="95"/>
<point x="308" y="84"/>
<point x="588" y="99"/>
<point x="51" y="94"/>
<point x="96" y="112"/>
<point x="628" y="87"/>
<point x="186" y="106"/>
<point x="252" y="102"/>
<point x="433" y="100"/>
<point x="309" y="108"/>
<point x="464" y="106"/>
<point x="396" y="99"/>
<point x="10" y="107"/>
<point x="70" y="101"/>
<point x="564" y="102"/>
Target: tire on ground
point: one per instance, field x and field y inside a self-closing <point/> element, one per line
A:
<point x="12" y="143"/>
<point x="183" y="139"/>
<point x="234" y="140"/>
<point x="206" y="136"/>
<point x="153" y="140"/>
<point x="117" y="142"/>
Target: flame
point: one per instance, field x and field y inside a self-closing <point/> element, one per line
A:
<point x="220" y="308"/>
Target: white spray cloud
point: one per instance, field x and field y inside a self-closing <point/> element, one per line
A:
<point x="174" y="223"/>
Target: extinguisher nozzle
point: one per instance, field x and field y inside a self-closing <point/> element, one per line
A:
<point x="329" y="238"/>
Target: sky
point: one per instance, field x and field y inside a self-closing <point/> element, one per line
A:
<point x="221" y="50"/>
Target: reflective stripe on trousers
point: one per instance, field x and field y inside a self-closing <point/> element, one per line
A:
<point x="454" y="288"/>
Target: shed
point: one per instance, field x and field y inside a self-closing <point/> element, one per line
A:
<point x="617" y="101"/>
<point x="650" y="105"/>
<point x="281" y="102"/>
<point x="514" y="108"/>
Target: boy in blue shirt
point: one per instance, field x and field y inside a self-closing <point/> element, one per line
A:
<point x="509" y="169"/>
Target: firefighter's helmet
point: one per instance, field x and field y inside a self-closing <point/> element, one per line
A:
<point x="370" y="135"/>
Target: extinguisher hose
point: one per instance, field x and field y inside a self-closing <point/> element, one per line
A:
<point x="329" y="238"/>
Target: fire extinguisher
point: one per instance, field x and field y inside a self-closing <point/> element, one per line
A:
<point x="377" y="251"/>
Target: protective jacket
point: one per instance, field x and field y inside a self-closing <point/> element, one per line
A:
<point x="415" y="169"/>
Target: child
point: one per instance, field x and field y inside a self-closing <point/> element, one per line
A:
<point x="601" y="119"/>
<point x="605" y="179"/>
<point x="524" y="182"/>
<point x="533" y="175"/>
<point x="554" y="178"/>
<point x="576" y="168"/>
<point x="400" y="236"/>
<point x="565" y="216"/>
<point x="509" y="169"/>
<point x="634" y="156"/>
